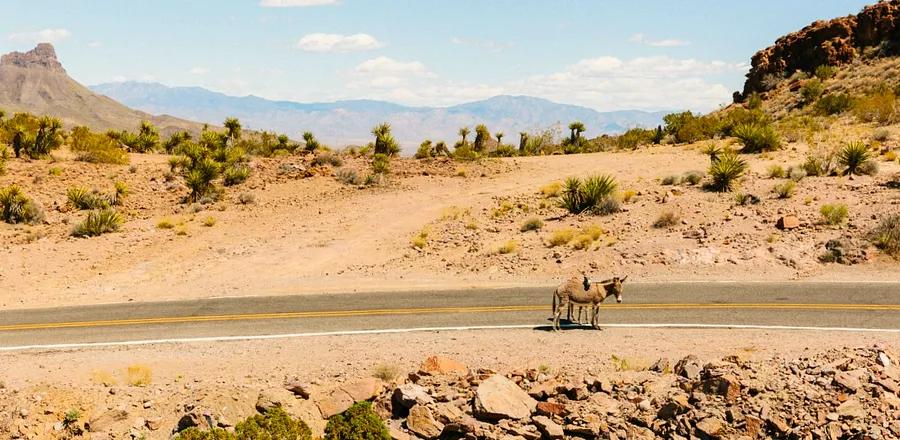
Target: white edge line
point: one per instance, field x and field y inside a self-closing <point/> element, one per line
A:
<point x="423" y="329"/>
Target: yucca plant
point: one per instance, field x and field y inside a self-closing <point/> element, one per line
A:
<point x="81" y="198"/>
<point x="121" y="190"/>
<point x="757" y="137"/>
<point x="98" y="222"/>
<point x="852" y="157"/>
<point x="16" y="207"/>
<point x="726" y="171"/>
<point x="236" y="174"/>
<point x="713" y="151"/>
<point x="199" y="177"/>
<point x="591" y="194"/>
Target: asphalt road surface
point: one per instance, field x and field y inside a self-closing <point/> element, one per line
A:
<point x="861" y="306"/>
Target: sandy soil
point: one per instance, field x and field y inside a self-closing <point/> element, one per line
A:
<point x="311" y="234"/>
<point x="48" y="384"/>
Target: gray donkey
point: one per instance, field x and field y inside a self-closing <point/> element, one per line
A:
<point x="585" y="293"/>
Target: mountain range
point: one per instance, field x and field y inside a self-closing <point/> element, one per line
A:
<point x="349" y="122"/>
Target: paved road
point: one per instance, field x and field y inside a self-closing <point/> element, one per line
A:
<point x="825" y="305"/>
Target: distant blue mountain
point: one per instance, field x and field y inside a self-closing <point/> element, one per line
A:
<point x="349" y="122"/>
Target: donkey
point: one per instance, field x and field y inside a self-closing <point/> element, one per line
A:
<point x="573" y="292"/>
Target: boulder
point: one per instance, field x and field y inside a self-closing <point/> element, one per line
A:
<point x="787" y="222"/>
<point x="498" y="398"/>
<point x="689" y="367"/>
<point x="851" y="409"/>
<point x="544" y="390"/>
<point x="300" y="389"/>
<point x="365" y="389"/>
<point x="676" y="406"/>
<point x="550" y="409"/>
<point x="727" y="386"/>
<point x="439" y="365"/>
<point x="335" y="403"/>
<point x="847" y="381"/>
<point x="105" y="421"/>
<point x="272" y="398"/>
<point x="410" y="394"/>
<point x="710" y="427"/>
<point x="661" y="366"/>
<point x="422" y="423"/>
<point x="548" y="427"/>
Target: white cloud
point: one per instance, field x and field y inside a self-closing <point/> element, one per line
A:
<point x="295" y="3"/>
<point x="199" y="70"/>
<point x="384" y="66"/>
<point x="41" y="36"/>
<point x="95" y="44"/>
<point x="338" y="43"/>
<point x="119" y="78"/>
<point x="671" y="42"/>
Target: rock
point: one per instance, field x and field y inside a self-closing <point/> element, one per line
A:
<point x="689" y="367"/>
<point x="447" y="413"/>
<point x="273" y="398"/>
<point x="153" y="423"/>
<point x="439" y="365"/>
<point x="550" y="409"/>
<point x="335" y="403"/>
<point x="888" y="385"/>
<point x="365" y="389"/>
<point x="726" y="386"/>
<point x="410" y="394"/>
<point x="710" y="427"/>
<point x="396" y="433"/>
<point x="787" y="222"/>
<point x="544" y="390"/>
<point x="676" y="406"/>
<point x="851" y="409"/>
<point x="883" y="360"/>
<point x="421" y="422"/>
<point x="43" y="56"/>
<point x="661" y="366"/>
<point x="753" y="426"/>
<point x="498" y="398"/>
<point x="847" y="381"/>
<point x="548" y="427"/>
<point x="777" y="424"/>
<point x="300" y="389"/>
<point x="192" y="419"/>
<point x="104" y="421"/>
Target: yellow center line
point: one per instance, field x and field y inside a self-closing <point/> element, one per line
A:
<point x="430" y="310"/>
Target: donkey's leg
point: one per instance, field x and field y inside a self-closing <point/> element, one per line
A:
<point x="558" y="312"/>
<point x="595" y="315"/>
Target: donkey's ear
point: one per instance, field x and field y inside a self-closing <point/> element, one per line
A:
<point x="623" y="279"/>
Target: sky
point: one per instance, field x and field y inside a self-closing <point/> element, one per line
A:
<point x="607" y="55"/>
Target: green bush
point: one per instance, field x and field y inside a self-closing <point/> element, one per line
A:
<point x="834" y="214"/>
<point x="579" y="196"/>
<point x="886" y="236"/>
<point x="785" y="190"/>
<point x="236" y="174"/>
<point x="96" y="147"/>
<point x="757" y="137"/>
<point x="80" y="198"/>
<point x="381" y="164"/>
<point x="811" y="90"/>
<point x="465" y="152"/>
<point x="852" y="157"/>
<point x="199" y="177"/>
<point x="357" y="423"/>
<point x="879" y="106"/>
<point x="348" y="176"/>
<point x="532" y="224"/>
<point x="818" y="166"/>
<point x="98" y="222"/>
<point x="754" y="102"/>
<point x="825" y="72"/>
<point x="426" y="150"/>
<point x="726" y="171"/>
<point x="328" y="158"/>
<point x="199" y="434"/>
<point x="776" y="172"/>
<point x="833" y="104"/>
<point x="384" y="140"/>
<point x="16" y="207"/>
<point x="692" y="177"/>
<point x="274" y="425"/>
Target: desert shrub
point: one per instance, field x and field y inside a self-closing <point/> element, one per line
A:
<point x="96" y="147"/>
<point x="275" y="424"/>
<point x="726" y="171"/>
<point x="348" y="176"/>
<point x="817" y="165"/>
<point x="712" y="151"/>
<point x="81" y="198"/>
<point x="209" y="221"/>
<point x="879" y="106"/>
<point x="328" y="158"/>
<point x="551" y="189"/>
<point x="36" y="137"/>
<point x="465" y="152"/>
<point x="532" y="224"/>
<point x="55" y="171"/>
<point x="881" y="135"/>
<point x="825" y="72"/>
<point x="582" y="242"/>
<point x="201" y="434"/>
<point x="98" y="222"/>
<point x="4" y="155"/>
<point x="687" y="127"/>
<point x="607" y="206"/>
<point x="359" y="422"/>
<point x="757" y="137"/>
<point x="745" y="199"/>
<point x="138" y="375"/>
<point x="508" y="247"/>
<point x="635" y="137"/>
<point x="832" y="104"/>
<point x="16" y="207"/>
<point x="381" y="164"/>
<point x="246" y="198"/>
<point x="165" y="224"/>
<point x="666" y="220"/>
<point x="785" y="190"/>
<point x="868" y="168"/>
<point x="811" y="90"/>
<point x="384" y="141"/>
<point x="833" y="214"/>
<point x="886" y="236"/>
<point x="199" y="177"/>
<point x="776" y="172"/>
<point x="235" y="174"/>
<point x="796" y="173"/>
<point x="420" y="240"/>
<point x="579" y="196"/>
<point x="386" y="372"/>
<point x="629" y="194"/>
<point x="426" y="150"/>
<point x="754" y="101"/>
<point x="692" y="177"/>
<point x="852" y="157"/>
<point x="671" y="180"/>
<point x="561" y="237"/>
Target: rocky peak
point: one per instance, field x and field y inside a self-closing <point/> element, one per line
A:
<point x="42" y="56"/>
<point x="832" y="42"/>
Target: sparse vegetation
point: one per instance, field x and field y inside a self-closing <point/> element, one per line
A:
<point x="16" y="207"/>
<point x="834" y="214"/>
<point x="785" y="190"/>
<point x="832" y="104"/>
<point x="757" y="137"/>
<point x="589" y="195"/>
<point x="508" y="247"/>
<point x="881" y="135"/>
<point x="96" y="147"/>
<point x="532" y="224"/>
<point x="165" y="224"/>
<point x="420" y="241"/>
<point x="666" y="220"/>
<point x="692" y="177"/>
<point x="886" y="236"/>
<point x="348" y="176"/>
<point x="726" y="171"/>
<point x="825" y="72"/>
<point x="386" y="372"/>
<point x="275" y="424"/>
<point x="381" y="164"/>
<point x="671" y="180"/>
<point x="80" y="198"/>
<point x="852" y="157"/>
<point x="246" y="198"/>
<point x="138" y="375"/>
<point x="359" y="422"/>
<point x="328" y="158"/>
<point x="811" y="90"/>
<point x="98" y="222"/>
<point x="209" y="221"/>
<point x="561" y="237"/>
<point x="776" y="172"/>
<point x="879" y="106"/>
<point x="551" y="189"/>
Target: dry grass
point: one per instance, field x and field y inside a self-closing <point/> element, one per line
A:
<point x="561" y="237"/>
<point x="420" y="241"/>
<point x="165" y="224"/>
<point x="138" y="375"/>
<point x="532" y="224"/>
<point x="209" y="221"/>
<point x="551" y="189"/>
<point x="666" y="220"/>
<point x="386" y="372"/>
<point x="509" y="247"/>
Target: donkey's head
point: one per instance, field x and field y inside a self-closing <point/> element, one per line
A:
<point x="616" y="287"/>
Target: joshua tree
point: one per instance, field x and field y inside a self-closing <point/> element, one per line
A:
<point x="233" y="130"/>
<point x="481" y="135"/>
<point x="464" y="133"/>
<point x="499" y="136"/>
<point x="384" y="140"/>
<point x="576" y="128"/>
<point x="311" y="143"/>
<point x="523" y="140"/>
<point x="48" y="137"/>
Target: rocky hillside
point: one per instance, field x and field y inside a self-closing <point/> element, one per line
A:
<point x="874" y="31"/>
<point x="36" y="82"/>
